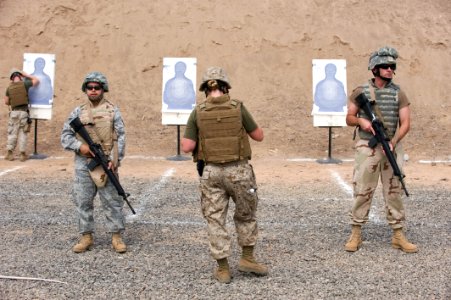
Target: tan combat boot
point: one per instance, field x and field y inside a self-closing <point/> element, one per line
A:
<point x="118" y="245"/>
<point x="355" y="241"/>
<point x="399" y="241"/>
<point x="248" y="264"/>
<point x="23" y="156"/>
<point x="9" y="155"/>
<point x="222" y="273"/>
<point x="85" y="242"/>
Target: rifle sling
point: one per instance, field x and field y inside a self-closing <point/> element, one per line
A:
<point x="377" y="109"/>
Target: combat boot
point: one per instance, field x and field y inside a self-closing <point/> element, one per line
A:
<point x="399" y="241"/>
<point x="85" y="242"/>
<point x="222" y="272"/>
<point x="23" y="156"/>
<point x="248" y="263"/>
<point x="9" y="155"/>
<point x="118" y="245"/>
<point x="355" y="241"/>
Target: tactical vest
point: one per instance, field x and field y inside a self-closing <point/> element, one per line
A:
<point x="222" y="137"/>
<point x="18" y="95"/>
<point x="388" y="102"/>
<point x="98" y="122"/>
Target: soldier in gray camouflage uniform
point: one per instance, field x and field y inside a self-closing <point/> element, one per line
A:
<point x="370" y="164"/>
<point x="103" y="121"/>
<point x="217" y="133"/>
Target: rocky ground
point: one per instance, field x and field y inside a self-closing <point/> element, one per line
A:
<point x="303" y="227"/>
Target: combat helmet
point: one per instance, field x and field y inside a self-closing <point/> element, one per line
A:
<point x="14" y="72"/>
<point x="385" y="55"/>
<point x="214" y="73"/>
<point x="95" y="77"/>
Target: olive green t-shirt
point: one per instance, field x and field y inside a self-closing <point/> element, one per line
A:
<point x="191" y="130"/>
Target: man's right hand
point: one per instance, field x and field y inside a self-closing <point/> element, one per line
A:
<point x="365" y="125"/>
<point x="85" y="151"/>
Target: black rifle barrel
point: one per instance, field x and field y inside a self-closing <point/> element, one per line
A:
<point x="381" y="138"/>
<point x="100" y="159"/>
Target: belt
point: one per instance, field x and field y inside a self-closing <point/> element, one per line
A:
<point x="228" y="164"/>
<point x="21" y="107"/>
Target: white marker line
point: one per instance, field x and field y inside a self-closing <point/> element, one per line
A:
<point x="349" y="191"/>
<point x="346" y="187"/>
<point x="152" y="191"/>
<point x="304" y="159"/>
<point x="10" y="170"/>
<point x="145" y="157"/>
<point x="434" y="161"/>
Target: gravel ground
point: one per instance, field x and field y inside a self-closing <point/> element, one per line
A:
<point x="303" y="229"/>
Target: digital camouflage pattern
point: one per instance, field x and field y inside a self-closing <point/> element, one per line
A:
<point x="83" y="197"/>
<point x="218" y="183"/>
<point x="84" y="189"/>
<point x="369" y="165"/>
<point x="95" y="77"/>
<point x="385" y="55"/>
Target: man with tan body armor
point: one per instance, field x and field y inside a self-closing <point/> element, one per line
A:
<point x="19" y="125"/>
<point x="103" y="122"/>
<point x="217" y="133"/>
<point x="391" y="106"/>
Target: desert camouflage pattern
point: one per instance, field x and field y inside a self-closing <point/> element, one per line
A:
<point x="218" y="183"/>
<point x="214" y="73"/>
<point x="17" y="130"/>
<point x="385" y="55"/>
<point x="370" y="164"/>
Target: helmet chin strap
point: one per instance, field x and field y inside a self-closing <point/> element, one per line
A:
<point x="388" y="80"/>
<point x="377" y="74"/>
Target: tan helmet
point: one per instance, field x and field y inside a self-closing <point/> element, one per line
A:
<point x="214" y="73"/>
<point x="385" y="55"/>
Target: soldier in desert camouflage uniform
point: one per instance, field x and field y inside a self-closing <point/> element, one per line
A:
<point x="370" y="164"/>
<point x="217" y="133"/>
<point x="103" y="121"/>
<point x="16" y="97"/>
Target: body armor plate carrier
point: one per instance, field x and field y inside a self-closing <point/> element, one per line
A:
<point x="221" y="132"/>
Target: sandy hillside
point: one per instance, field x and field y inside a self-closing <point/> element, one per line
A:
<point x="266" y="47"/>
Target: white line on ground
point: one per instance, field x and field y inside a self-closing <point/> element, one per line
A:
<point x="434" y="161"/>
<point x="153" y="190"/>
<point x="305" y="159"/>
<point x="373" y="216"/>
<point x="346" y="187"/>
<point x="10" y="170"/>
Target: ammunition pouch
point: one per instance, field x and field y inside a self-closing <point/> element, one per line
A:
<point x="97" y="173"/>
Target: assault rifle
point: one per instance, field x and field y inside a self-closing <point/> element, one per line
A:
<point x="380" y="137"/>
<point x="99" y="159"/>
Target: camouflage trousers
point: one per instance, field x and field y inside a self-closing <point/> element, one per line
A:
<point x="83" y="196"/>
<point x="17" y="130"/>
<point x="217" y="185"/>
<point x="370" y="164"/>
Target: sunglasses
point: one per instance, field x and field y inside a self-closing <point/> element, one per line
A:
<point x="386" y="67"/>
<point x="93" y="87"/>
